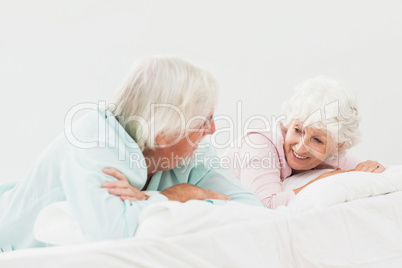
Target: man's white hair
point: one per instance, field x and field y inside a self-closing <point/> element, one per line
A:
<point x="327" y="104"/>
<point x="164" y="95"/>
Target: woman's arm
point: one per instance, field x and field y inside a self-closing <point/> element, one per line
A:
<point x="349" y="162"/>
<point x="324" y="175"/>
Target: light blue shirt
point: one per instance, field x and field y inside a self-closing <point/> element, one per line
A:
<point x="71" y="169"/>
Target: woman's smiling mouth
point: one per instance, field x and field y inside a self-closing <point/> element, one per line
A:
<point x="299" y="157"/>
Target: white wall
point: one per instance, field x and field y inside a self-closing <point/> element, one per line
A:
<point x="55" y="54"/>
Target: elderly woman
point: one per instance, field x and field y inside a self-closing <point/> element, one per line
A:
<point x="164" y="109"/>
<point x="321" y="125"/>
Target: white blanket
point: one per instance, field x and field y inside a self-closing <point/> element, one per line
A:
<point x="348" y="220"/>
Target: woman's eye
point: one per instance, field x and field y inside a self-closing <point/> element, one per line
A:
<point x="318" y="140"/>
<point x="297" y="130"/>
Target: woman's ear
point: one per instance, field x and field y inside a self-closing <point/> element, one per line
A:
<point x="336" y="149"/>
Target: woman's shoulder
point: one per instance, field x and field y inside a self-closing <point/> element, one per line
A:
<point x="266" y="135"/>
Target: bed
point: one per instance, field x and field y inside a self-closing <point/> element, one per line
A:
<point x="352" y="219"/>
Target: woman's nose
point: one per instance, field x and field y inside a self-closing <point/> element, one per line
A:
<point x="300" y="147"/>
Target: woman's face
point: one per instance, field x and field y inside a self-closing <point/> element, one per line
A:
<point x="306" y="148"/>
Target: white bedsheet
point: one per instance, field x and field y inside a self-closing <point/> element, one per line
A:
<point x="349" y="221"/>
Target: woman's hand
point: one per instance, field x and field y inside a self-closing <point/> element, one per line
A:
<point x="370" y="166"/>
<point x="323" y="175"/>
<point x="122" y="187"/>
<point x="185" y="192"/>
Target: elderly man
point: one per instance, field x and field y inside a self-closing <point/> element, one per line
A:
<point x="150" y="135"/>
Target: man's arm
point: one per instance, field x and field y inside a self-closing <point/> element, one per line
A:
<point x="102" y="215"/>
<point x="222" y="181"/>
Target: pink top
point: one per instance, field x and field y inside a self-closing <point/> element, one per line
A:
<point x="262" y="170"/>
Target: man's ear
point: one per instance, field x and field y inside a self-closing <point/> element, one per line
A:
<point x="161" y="140"/>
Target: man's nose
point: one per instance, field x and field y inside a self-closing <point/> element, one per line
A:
<point x="210" y="128"/>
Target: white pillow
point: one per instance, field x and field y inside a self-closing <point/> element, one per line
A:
<point x="56" y="225"/>
<point x="343" y="187"/>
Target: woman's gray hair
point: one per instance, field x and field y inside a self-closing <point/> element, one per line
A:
<point x="164" y="94"/>
<point x="328" y="104"/>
